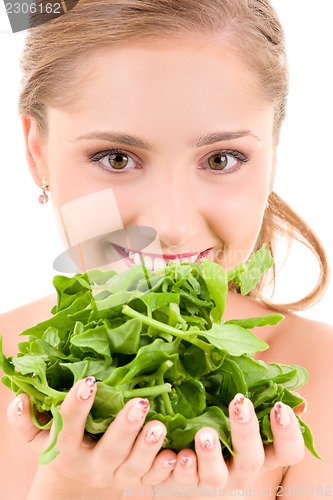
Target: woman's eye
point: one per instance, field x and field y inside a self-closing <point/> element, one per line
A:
<point x="221" y="161"/>
<point x="114" y="160"/>
<point x="226" y="161"/>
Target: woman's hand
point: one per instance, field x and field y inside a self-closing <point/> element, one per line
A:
<point x="127" y="457"/>
<point x="121" y="459"/>
<point x="206" y="468"/>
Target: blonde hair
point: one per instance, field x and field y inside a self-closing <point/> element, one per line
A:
<point x="53" y="64"/>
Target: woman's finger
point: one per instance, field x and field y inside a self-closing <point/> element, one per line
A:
<point x="161" y="469"/>
<point x="74" y="411"/>
<point x="212" y="469"/>
<point x="19" y="418"/>
<point x="288" y="444"/>
<point x="117" y="443"/>
<point x="246" y="441"/>
<point x="143" y="453"/>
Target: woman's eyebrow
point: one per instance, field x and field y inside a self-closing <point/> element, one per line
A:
<point x="213" y="137"/>
<point x="130" y="140"/>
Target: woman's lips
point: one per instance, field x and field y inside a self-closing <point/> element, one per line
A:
<point x="155" y="262"/>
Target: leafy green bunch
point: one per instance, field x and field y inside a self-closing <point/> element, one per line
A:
<point x="158" y="335"/>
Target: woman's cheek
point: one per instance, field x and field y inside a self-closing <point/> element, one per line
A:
<point x="237" y="224"/>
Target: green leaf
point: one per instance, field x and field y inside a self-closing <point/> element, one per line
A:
<point x="94" y="340"/>
<point x="308" y="438"/>
<point x="270" y="319"/>
<point x="253" y="371"/>
<point x="189" y="398"/>
<point x="51" y="452"/>
<point x="154" y="300"/>
<point x="126" y="337"/>
<point x="234" y="339"/>
<point x="30" y="364"/>
<point x="257" y="266"/>
<point x="216" y="281"/>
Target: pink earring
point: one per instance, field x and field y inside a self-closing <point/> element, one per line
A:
<point x="43" y="198"/>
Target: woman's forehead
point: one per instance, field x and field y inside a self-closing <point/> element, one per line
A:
<point x="171" y="80"/>
<point x="163" y="94"/>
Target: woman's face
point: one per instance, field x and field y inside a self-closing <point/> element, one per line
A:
<point x="175" y="137"/>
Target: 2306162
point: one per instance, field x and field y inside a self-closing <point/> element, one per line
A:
<point x="303" y="491"/>
<point x="33" y="8"/>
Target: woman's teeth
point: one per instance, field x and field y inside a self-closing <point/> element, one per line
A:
<point x="156" y="263"/>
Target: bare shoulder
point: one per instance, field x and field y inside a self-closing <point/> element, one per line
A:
<point x="307" y="341"/>
<point x="16" y="458"/>
<point x="14" y="322"/>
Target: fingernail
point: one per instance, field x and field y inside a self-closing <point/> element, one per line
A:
<point x="241" y="408"/>
<point x="303" y="406"/>
<point x="154" y="434"/>
<point x="86" y="388"/>
<point x="138" y="410"/>
<point x="19" y="406"/>
<point x="207" y="441"/>
<point x="281" y="413"/>
<point x="186" y="462"/>
<point x="169" y="464"/>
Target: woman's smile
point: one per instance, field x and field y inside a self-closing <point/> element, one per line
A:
<point x="154" y="262"/>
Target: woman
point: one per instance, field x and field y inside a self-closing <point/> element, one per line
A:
<point x="145" y="113"/>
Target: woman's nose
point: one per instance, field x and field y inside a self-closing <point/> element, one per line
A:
<point x="170" y="208"/>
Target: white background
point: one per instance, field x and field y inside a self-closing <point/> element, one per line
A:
<point x="28" y="238"/>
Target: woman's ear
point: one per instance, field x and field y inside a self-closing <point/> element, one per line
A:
<point x="35" y="146"/>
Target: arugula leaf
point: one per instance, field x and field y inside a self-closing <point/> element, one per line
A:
<point x="258" y="265"/>
<point x="234" y="339"/>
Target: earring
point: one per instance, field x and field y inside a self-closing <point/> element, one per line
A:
<point x="43" y="198"/>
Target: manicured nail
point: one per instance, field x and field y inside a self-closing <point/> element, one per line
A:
<point x="281" y="414"/>
<point x="138" y="410"/>
<point x="207" y="441"/>
<point x="302" y="407"/>
<point x="241" y="408"/>
<point x="86" y="388"/>
<point x="19" y="406"/>
<point x="169" y="464"/>
<point x="154" y="434"/>
<point x="186" y="462"/>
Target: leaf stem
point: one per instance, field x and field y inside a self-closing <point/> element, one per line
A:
<point x="152" y="391"/>
<point x="190" y="337"/>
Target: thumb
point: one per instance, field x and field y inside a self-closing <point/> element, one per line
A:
<point x="20" y="420"/>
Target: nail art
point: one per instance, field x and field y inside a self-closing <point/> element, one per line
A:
<point x="154" y="434"/>
<point x="138" y="410"/>
<point x="281" y="414"/>
<point x="241" y="408"/>
<point x="169" y="464"/>
<point x="19" y="407"/>
<point x="207" y="441"/>
<point x="86" y="388"/>
<point x="186" y="462"/>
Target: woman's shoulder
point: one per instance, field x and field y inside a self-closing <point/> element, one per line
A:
<point x="294" y="340"/>
<point x="302" y="340"/>
<point x="15" y="321"/>
<point x="16" y="457"/>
